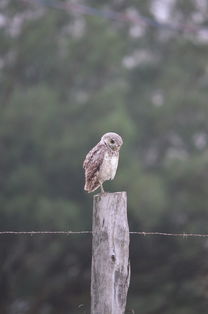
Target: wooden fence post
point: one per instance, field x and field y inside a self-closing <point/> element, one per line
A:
<point x="110" y="254"/>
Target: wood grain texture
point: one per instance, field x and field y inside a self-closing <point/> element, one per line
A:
<point x="110" y="254"/>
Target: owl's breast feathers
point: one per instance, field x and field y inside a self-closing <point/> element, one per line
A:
<point x="100" y="165"/>
<point x="109" y="166"/>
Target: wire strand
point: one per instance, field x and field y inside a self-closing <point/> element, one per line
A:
<point x="113" y="15"/>
<point x="143" y="233"/>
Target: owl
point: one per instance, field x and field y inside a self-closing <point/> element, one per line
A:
<point x="102" y="161"/>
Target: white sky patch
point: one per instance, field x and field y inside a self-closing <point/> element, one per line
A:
<point x="200" y="140"/>
<point x="78" y="27"/>
<point x="202" y="36"/>
<point x="139" y="57"/>
<point x="202" y="5"/>
<point x="15" y="25"/>
<point x="200" y="15"/>
<point x="129" y="62"/>
<point x="161" y="9"/>
<point x="136" y="31"/>
<point x="158" y="98"/>
<point x="2" y="20"/>
<point x="137" y="28"/>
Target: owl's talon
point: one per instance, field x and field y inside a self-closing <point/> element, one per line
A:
<point x="102" y="189"/>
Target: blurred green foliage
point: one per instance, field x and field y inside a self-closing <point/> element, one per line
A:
<point x="66" y="79"/>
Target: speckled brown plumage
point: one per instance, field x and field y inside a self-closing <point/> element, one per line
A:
<point x="101" y="162"/>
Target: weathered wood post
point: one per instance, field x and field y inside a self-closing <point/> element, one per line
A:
<point x="110" y="254"/>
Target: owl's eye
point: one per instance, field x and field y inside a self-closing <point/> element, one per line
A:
<point x="112" y="141"/>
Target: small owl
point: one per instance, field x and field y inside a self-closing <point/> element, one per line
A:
<point x="102" y="161"/>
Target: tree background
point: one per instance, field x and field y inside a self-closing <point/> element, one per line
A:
<point x="67" y="78"/>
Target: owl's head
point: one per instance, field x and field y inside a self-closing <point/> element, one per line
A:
<point x="112" y="140"/>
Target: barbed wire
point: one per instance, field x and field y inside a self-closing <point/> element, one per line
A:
<point x="167" y="234"/>
<point x="134" y="18"/>
<point x="67" y="233"/>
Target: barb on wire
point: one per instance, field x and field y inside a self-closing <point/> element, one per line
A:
<point x="113" y="15"/>
<point x="142" y="233"/>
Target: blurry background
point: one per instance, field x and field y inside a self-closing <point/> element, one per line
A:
<point x="67" y="78"/>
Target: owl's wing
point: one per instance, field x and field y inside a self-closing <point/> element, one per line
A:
<point x="92" y="165"/>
